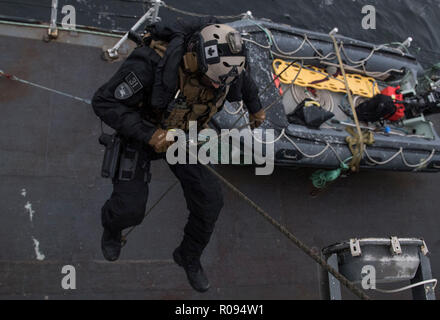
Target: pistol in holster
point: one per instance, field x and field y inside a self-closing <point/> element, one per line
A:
<point x="112" y="144"/>
<point x="120" y="160"/>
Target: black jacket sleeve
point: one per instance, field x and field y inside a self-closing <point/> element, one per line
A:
<point x="245" y="89"/>
<point x="117" y="102"/>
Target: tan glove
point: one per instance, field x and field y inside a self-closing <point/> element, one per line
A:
<point x="159" y="141"/>
<point x="257" y="119"/>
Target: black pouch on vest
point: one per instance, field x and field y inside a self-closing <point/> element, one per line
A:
<point x="112" y="145"/>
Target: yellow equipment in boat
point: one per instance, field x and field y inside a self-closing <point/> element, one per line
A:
<point x="318" y="78"/>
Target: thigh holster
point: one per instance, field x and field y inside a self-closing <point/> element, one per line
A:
<point x="120" y="159"/>
<point x="112" y="144"/>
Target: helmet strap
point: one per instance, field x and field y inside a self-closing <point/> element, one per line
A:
<point x="190" y="62"/>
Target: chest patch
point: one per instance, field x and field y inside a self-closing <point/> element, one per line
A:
<point x="134" y="82"/>
<point x="129" y="87"/>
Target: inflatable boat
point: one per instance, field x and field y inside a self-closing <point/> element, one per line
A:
<point x="409" y="144"/>
<point x="290" y="65"/>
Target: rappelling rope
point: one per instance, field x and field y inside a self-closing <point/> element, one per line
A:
<point x="358" y="154"/>
<point x="301" y="245"/>
<point x="275" y="223"/>
<point x="14" y="78"/>
<point x="147" y="213"/>
<point x="355" y="290"/>
<point x="265" y="215"/>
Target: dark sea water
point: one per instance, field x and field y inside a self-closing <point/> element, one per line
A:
<point x="396" y="19"/>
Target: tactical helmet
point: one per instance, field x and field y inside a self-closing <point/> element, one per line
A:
<point x="221" y="53"/>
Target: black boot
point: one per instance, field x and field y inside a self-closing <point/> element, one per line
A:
<point x="111" y="244"/>
<point x="194" y="271"/>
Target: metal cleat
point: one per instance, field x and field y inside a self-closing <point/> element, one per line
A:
<point x="355" y="248"/>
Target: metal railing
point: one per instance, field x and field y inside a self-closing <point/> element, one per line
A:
<point x="151" y="16"/>
<point x="53" y="30"/>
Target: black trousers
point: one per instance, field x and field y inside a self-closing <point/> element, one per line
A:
<point x="127" y="204"/>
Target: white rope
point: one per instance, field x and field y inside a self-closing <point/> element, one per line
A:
<point x="232" y="113"/>
<point x="336" y="153"/>
<point x="363" y="61"/>
<point x="313" y="47"/>
<point x="270" y="142"/>
<point x="291" y="52"/>
<point x="327" y="57"/>
<point x="330" y="56"/>
<point x="256" y="43"/>
<point x="424" y="163"/>
<point x="324" y="59"/>
<point x="193" y="14"/>
<point x="401" y="152"/>
<point x="329" y="146"/>
<point x="305" y="154"/>
<point x="410" y="287"/>
<point x="380" y="163"/>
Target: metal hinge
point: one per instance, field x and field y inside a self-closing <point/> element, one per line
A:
<point x="395" y="245"/>
<point x="424" y="248"/>
<point x="355" y="248"/>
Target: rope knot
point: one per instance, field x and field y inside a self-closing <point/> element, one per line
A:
<point x="355" y="142"/>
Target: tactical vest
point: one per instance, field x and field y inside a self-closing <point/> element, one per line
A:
<point x="200" y="103"/>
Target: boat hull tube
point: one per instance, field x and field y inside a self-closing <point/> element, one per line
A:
<point x="413" y="146"/>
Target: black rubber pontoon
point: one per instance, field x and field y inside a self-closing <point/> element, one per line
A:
<point x="411" y="145"/>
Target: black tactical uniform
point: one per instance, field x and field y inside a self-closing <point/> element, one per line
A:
<point x="123" y="103"/>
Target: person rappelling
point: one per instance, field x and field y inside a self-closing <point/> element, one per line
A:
<point x="182" y="72"/>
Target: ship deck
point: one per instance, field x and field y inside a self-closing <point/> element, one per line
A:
<point x="51" y="192"/>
